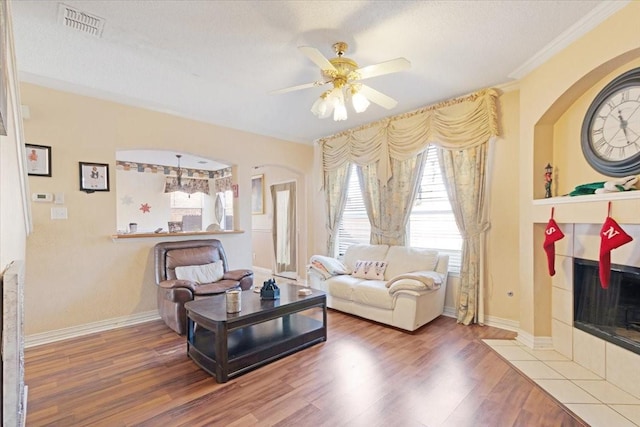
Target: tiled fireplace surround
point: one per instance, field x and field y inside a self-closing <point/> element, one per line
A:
<point x="617" y="365"/>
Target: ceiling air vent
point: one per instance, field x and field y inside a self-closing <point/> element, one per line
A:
<point x="79" y="20"/>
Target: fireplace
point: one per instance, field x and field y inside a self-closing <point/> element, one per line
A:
<point x="612" y="314"/>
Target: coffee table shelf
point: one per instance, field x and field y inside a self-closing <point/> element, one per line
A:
<point x="227" y="345"/>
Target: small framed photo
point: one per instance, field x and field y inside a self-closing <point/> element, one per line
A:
<point x="257" y="194"/>
<point x="38" y="160"/>
<point x="94" y="177"/>
<point x="175" y="226"/>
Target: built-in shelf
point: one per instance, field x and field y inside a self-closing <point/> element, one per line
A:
<point x="180" y="234"/>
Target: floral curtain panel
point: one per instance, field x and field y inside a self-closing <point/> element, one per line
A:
<point x="464" y="173"/>
<point x="335" y="187"/>
<point x="389" y="207"/>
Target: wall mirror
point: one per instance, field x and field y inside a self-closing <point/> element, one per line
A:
<point x="160" y="191"/>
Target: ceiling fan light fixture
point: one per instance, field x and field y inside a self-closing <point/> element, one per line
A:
<point x="319" y="107"/>
<point x="359" y="101"/>
<point x="340" y="113"/>
<point x="345" y="75"/>
<point x="323" y="106"/>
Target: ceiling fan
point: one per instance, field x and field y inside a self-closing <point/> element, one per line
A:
<point x="345" y="76"/>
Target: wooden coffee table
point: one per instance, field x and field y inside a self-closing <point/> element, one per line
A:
<point x="229" y="344"/>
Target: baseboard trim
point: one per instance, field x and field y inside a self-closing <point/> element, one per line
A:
<point x="500" y="323"/>
<point x="450" y="312"/>
<point x="536" y="343"/>
<point x="89" y="328"/>
<point x="494" y="322"/>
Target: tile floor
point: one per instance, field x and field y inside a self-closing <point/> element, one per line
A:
<point x="589" y="396"/>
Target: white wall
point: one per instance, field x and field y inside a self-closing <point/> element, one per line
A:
<point x="15" y="219"/>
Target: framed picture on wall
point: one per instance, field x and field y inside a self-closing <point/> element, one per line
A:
<point x="94" y="177"/>
<point x="38" y="160"/>
<point x="257" y="194"/>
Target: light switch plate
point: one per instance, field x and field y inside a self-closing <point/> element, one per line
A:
<point x="59" y="213"/>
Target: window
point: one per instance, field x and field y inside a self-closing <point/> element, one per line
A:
<point x="187" y="208"/>
<point x="354" y="226"/>
<point x="431" y="223"/>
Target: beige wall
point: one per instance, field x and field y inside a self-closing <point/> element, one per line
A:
<point x="76" y="274"/>
<point x="502" y="238"/>
<point x="553" y="101"/>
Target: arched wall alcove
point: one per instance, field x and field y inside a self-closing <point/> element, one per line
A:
<point x="557" y="132"/>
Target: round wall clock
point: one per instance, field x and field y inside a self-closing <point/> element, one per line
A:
<point x="611" y="129"/>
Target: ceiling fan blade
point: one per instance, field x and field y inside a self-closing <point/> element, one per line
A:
<point x="298" y="87"/>
<point x="318" y="58"/>
<point x="378" y="97"/>
<point x="387" y="67"/>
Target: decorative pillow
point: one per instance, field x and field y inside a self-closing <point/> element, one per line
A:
<point x="364" y="251"/>
<point x="328" y="266"/>
<point x="206" y="273"/>
<point x="373" y="270"/>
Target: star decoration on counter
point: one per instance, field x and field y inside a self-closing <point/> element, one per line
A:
<point x="145" y="208"/>
<point x="126" y="200"/>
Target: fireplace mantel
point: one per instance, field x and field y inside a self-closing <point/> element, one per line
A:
<point x="589" y="209"/>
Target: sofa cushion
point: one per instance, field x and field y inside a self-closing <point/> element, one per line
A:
<point x="367" y="252"/>
<point x="405" y="259"/>
<point x="205" y="273"/>
<point x="342" y="286"/>
<point x="373" y="270"/>
<point x="373" y="293"/>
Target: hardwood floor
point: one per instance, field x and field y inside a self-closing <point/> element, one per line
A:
<point x="364" y="375"/>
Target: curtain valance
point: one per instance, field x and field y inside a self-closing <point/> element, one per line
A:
<point x="188" y="185"/>
<point x="223" y="184"/>
<point x="455" y="124"/>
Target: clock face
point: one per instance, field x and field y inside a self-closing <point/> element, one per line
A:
<point x="611" y="128"/>
<point x="615" y="129"/>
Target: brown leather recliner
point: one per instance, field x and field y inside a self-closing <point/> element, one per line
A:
<point x="173" y="293"/>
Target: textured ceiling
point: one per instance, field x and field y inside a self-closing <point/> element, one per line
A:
<point x="216" y="61"/>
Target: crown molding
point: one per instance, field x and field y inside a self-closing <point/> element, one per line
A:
<point x="591" y="20"/>
<point x="508" y="86"/>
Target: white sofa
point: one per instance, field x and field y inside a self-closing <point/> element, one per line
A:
<point x="410" y="295"/>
